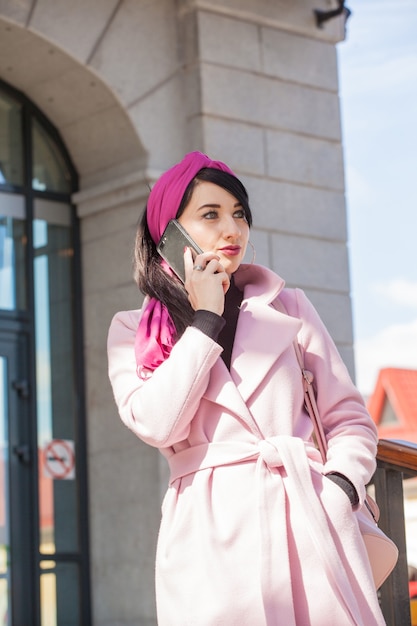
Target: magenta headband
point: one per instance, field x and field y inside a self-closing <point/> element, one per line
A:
<point x="166" y="195"/>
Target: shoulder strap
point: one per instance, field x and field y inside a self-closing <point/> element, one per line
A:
<point x="309" y="394"/>
<point x="313" y="411"/>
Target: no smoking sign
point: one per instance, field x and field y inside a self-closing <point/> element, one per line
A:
<point x="59" y="459"/>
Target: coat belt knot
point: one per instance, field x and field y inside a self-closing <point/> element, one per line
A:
<point x="269" y="453"/>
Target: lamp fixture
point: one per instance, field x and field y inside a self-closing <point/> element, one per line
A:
<point x="323" y="16"/>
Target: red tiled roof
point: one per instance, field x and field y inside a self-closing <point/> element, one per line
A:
<point x="399" y="387"/>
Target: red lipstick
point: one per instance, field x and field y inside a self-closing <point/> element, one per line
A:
<point x="231" y="250"/>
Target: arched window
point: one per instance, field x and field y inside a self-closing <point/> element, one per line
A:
<point x="43" y="499"/>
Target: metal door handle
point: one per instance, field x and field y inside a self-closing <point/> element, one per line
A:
<point x="22" y="388"/>
<point x="23" y="453"/>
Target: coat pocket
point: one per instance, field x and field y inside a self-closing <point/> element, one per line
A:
<point x="336" y="505"/>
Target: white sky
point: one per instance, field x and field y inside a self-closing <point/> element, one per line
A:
<point x="378" y="83"/>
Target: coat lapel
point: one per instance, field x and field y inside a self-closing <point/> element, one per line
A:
<point x="222" y="391"/>
<point x="262" y="335"/>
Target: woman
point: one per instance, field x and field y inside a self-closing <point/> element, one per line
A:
<point x="255" y="530"/>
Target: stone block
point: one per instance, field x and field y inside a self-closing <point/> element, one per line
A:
<point x="159" y="121"/>
<point x="101" y="142"/>
<point x="121" y="482"/>
<point x="293" y="16"/>
<point x="238" y="145"/>
<point x="75" y="26"/>
<point x="101" y="270"/>
<point x="125" y="599"/>
<point x="104" y="423"/>
<point x="148" y="56"/>
<point x="143" y="461"/>
<point x="269" y="102"/>
<point x="297" y="209"/>
<point x="101" y="305"/>
<point x="334" y="309"/>
<point x="306" y="160"/>
<point x="73" y="94"/>
<point x="190" y="86"/>
<point x="229" y="42"/>
<point x="194" y="129"/>
<point x="314" y="263"/>
<point x="121" y="188"/>
<point x="17" y="46"/>
<point x="123" y="217"/>
<point x="105" y="428"/>
<point x="188" y="37"/>
<point x="16" y="11"/>
<point x="299" y="59"/>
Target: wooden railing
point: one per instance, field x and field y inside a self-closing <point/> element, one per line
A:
<point x="396" y="462"/>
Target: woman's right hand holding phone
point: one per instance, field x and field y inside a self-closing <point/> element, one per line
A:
<point x="205" y="281"/>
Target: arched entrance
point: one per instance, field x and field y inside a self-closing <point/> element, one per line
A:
<point x="60" y="113"/>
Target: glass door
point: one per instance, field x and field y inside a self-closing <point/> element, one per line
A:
<point x="4" y="496"/>
<point x="16" y="502"/>
<point x="44" y="556"/>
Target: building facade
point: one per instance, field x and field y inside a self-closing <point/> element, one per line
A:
<point x="97" y="99"/>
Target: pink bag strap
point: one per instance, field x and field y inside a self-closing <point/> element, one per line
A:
<point x="311" y="403"/>
<point x="313" y="410"/>
<point x="309" y="393"/>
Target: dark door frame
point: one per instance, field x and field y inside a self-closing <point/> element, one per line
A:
<point x="18" y="326"/>
<point x="22" y="507"/>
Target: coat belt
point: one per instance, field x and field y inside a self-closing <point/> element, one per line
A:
<point x="294" y="455"/>
<point x="216" y="454"/>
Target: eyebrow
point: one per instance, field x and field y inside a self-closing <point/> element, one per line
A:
<point x="216" y="206"/>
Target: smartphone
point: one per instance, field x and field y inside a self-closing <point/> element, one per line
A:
<point x="171" y="247"/>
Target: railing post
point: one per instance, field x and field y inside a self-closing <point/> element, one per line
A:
<point x="395" y="600"/>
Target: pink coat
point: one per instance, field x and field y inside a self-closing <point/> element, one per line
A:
<point x="252" y="533"/>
